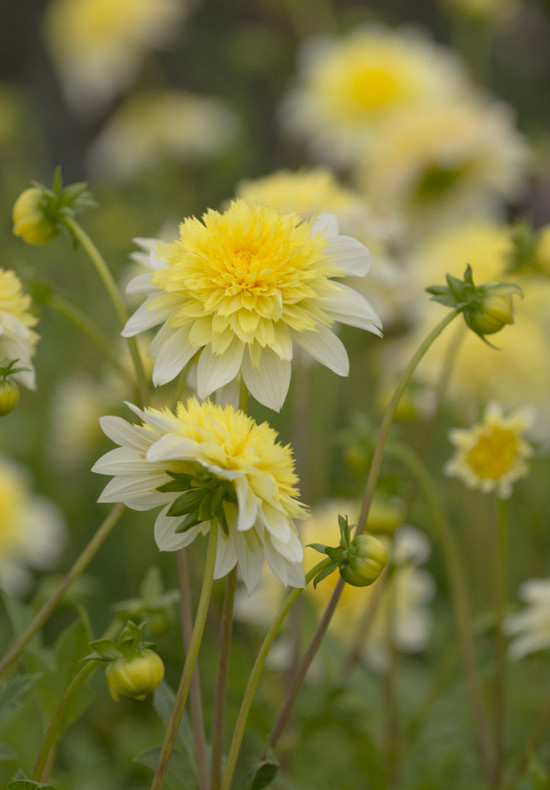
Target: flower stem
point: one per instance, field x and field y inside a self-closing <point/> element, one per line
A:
<point x="460" y="603"/>
<point x="55" y="727"/>
<point x="111" y="287"/>
<point x="221" y="683"/>
<point x="197" y="719"/>
<point x="190" y="660"/>
<point x="255" y="676"/>
<point x="81" y="563"/>
<point x="372" y="480"/>
<point x="500" y="638"/>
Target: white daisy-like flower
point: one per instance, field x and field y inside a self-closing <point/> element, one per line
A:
<point x="530" y="628"/>
<point x="17" y="339"/>
<point x="240" y="288"/>
<point x="32" y="530"/>
<point x="204" y="462"/>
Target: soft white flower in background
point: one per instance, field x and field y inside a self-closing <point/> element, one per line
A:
<point x="444" y="162"/>
<point x="17" y="339"/>
<point x="529" y="629"/>
<point x="240" y="288"/>
<point x="32" y="530"/>
<point x="402" y="605"/>
<point x="255" y="472"/>
<point x="350" y="90"/>
<point x="158" y="126"/>
<point x="97" y="45"/>
<point x="491" y="455"/>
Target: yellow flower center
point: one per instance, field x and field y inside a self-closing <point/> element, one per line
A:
<point x="373" y="88"/>
<point x="494" y="454"/>
<point x="243" y="273"/>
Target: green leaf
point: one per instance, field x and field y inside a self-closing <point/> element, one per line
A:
<point x="181" y="773"/>
<point x="188" y="501"/>
<point x="12" y="693"/>
<point x="262" y="773"/>
<point x="6" y="753"/>
<point x="191" y="520"/>
<point x="324" y="573"/>
<point x="28" y="784"/>
<point x="163" y="702"/>
<point x="320" y="547"/>
<point x="21" y="616"/>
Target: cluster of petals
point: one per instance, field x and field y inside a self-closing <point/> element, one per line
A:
<point x="240" y="288"/>
<point x="233" y="448"/>
<point x="530" y="627"/>
<point x="17" y="339"/>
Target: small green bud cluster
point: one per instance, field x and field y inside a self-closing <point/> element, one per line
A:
<point x="486" y="308"/>
<point x="203" y="497"/>
<point x="38" y="212"/>
<point x="133" y="668"/>
<point x="154" y="606"/>
<point x="360" y="561"/>
<point x="9" y="391"/>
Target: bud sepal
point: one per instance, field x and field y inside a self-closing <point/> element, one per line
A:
<point x="9" y="390"/>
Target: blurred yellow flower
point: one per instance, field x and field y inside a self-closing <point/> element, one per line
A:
<point x="157" y="126"/>
<point x="446" y="162"/>
<point x="97" y="45"/>
<point x="32" y="532"/>
<point x="350" y="90"/>
<point x="491" y="454"/>
<point x="17" y="339"/>
<point x="239" y="288"/>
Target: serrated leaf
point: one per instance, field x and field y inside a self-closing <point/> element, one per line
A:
<point x="181" y="773"/>
<point x="163" y="703"/>
<point x="12" y="693"/>
<point x="262" y="773"/>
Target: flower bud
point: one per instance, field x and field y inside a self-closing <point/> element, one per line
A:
<point x="495" y="310"/>
<point x="365" y="561"/>
<point x="30" y="220"/>
<point x="9" y="396"/>
<point x="135" y="677"/>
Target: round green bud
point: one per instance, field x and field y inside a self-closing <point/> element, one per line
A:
<point x="495" y="310"/>
<point x="365" y="561"/>
<point x="135" y="677"/>
<point x="29" y="219"/>
<point x="9" y="396"/>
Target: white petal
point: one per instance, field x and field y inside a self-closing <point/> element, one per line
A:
<point x="226" y="555"/>
<point x="166" y="537"/>
<point x="157" y="421"/>
<point x="172" y="448"/>
<point x="276" y="522"/>
<point x="269" y="383"/>
<point x="122" y="461"/>
<point x="136" y="492"/>
<point x="250" y="559"/>
<point x="276" y="562"/>
<point x="350" y="307"/>
<point x="141" y="285"/>
<point x="217" y="370"/>
<point x="124" y="434"/>
<point x="172" y="356"/>
<point x="327" y="224"/>
<point x="296" y="576"/>
<point x="141" y="320"/>
<point x="248" y="505"/>
<point x="326" y="348"/>
<point x="350" y="255"/>
<point x="292" y="549"/>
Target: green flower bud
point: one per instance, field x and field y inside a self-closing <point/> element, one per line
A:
<point x="365" y="561"/>
<point x="134" y="677"/>
<point x="495" y="310"/>
<point x="9" y="396"/>
<point x="30" y="220"/>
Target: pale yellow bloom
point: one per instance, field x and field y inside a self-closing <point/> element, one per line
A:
<point x="97" y="45"/>
<point x="351" y="90"/>
<point x="234" y="452"/>
<point x="32" y="532"/>
<point x="17" y="339"/>
<point x="446" y="162"/>
<point x="159" y="126"/>
<point x="491" y="455"/>
<point x="239" y="288"/>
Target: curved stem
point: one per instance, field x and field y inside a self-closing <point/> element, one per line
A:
<point x="221" y="682"/>
<point x="500" y="637"/>
<point x="47" y="609"/>
<point x="54" y="730"/>
<point x="112" y="289"/>
<point x="197" y="719"/>
<point x="459" y="599"/>
<point x="190" y="661"/>
<point x="255" y="676"/>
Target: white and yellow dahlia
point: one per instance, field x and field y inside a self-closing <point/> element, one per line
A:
<point x="239" y="288"/>
<point x="17" y="338"/>
<point x="206" y="461"/>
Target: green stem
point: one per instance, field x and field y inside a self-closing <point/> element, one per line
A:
<point x="88" y="328"/>
<point x="81" y="563"/>
<point x="532" y="743"/>
<point x="500" y="638"/>
<point x="112" y="289"/>
<point x="459" y="599"/>
<point x="190" y="661"/>
<point x="255" y="676"/>
<point x="195" y="696"/>
<point x="55" y="727"/>
<point x="221" y="683"/>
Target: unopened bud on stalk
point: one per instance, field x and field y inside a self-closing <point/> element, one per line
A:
<point x="134" y="677"/>
<point x="31" y="219"/>
<point x="365" y="560"/>
<point x="495" y="310"/>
